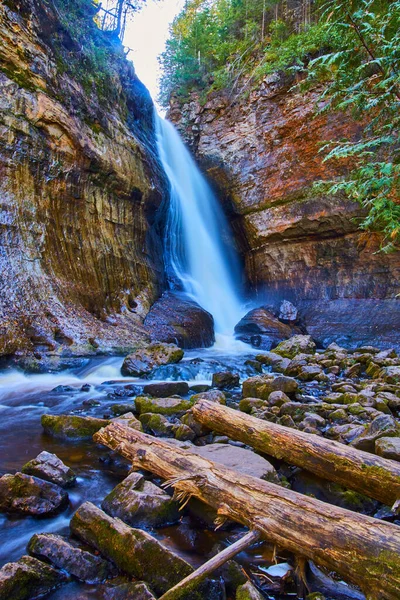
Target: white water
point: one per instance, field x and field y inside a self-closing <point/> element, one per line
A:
<point x="198" y="246"/>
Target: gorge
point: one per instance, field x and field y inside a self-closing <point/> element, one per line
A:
<point x="150" y="267"/>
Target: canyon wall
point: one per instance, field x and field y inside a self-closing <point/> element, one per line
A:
<point x="80" y="191"/>
<point x="262" y="154"/>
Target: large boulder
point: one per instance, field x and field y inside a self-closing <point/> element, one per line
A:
<point x="140" y="503"/>
<point x="262" y="329"/>
<point x="261" y="386"/>
<point x="28" y="495"/>
<point x="28" y="578"/>
<point x="72" y="426"/>
<point x="164" y="389"/>
<point x="144" y="360"/>
<point x="298" y="344"/>
<point x="225" y="380"/>
<point x="49" y="467"/>
<point x="136" y="552"/>
<point x="177" y="319"/>
<point x="162" y="406"/>
<point x="66" y="555"/>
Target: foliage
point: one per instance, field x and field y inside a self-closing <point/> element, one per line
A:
<point x="364" y="77"/>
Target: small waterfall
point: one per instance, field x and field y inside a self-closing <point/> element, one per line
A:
<point x="198" y="243"/>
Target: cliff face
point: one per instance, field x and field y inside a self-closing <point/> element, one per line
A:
<point x="262" y="153"/>
<point x="80" y="189"/>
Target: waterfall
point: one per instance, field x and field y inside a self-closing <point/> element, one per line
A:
<point x="198" y="244"/>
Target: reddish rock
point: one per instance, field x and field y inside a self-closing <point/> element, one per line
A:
<point x="261" y="329"/>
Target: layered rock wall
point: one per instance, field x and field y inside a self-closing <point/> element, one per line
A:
<point x="263" y="155"/>
<point x="80" y="191"/>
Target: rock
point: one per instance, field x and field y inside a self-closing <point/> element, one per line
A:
<point x="277" y="398"/>
<point x="129" y="420"/>
<point x="309" y="373"/>
<point x="157" y="425"/>
<point x="248" y="592"/>
<point x="67" y="556"/>
<point x="25" y="494"/>
<point x="390" y="374"/>
<point x="270" y="358"/>
<point x="211" y="396"/>
<point x="288" y="312"/>
<point x="129" y="591"/>
<point x="184" y="432"/>
<point x="166" y="388"/>
<point x="121" y="409"/>
<point x="136" y="552"/>
<point x="262" y="385"/>
<point x="225" y="380"/>
<point x="381" y="426"/>
<point x="144" y="360"/>
<point x="261" y="329"/>
<point x="49" y="467"/>
<point x="72" y="426"/>
<point x="246" y="405"/>
<point x="388" y="447"/>
<point x="140" y="503"/>
<point x="240" y="459"/>
<point x="177" y="319"/>
<point x="162" y="406"/>
<point x="295" y="345"/>
<point x="28" y="578"/>
<point x="338" y="415"/>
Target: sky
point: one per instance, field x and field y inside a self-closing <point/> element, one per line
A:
<point x="146" y="34"/>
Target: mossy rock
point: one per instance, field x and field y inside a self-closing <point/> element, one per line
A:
<point x="246" y="405"/>
<point x="29" y="495"/>
<point x="298" y="344"/>
<point x="28" y="578"/>
<point x="157" y="425"/>
<point x="163" y="406"/>
<point x="72" y="426"/>
<point x="144" y="360"/>
<point x="248" y="592"/>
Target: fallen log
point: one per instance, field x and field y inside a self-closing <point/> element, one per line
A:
<point x="366" y="473"/>
<point x="363" y="550"/>
<point x="192" y="581"/>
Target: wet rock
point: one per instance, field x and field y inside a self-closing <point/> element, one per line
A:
<point x="140" y="503"/>
<point x="319" y="580"/>
<point x="63" y="389"/>
<point x="240" y="459"/>
<point x="25" y="494"/>
<point x="177" y="319"/>
<point x="49" y="467"/>
<point x="246" y="405"/>
<point x="262" y="329"/>
<point x="66" y="555"/>
<point x="309" y="372"/>
<point x="199" y="388"/>
<point x="296" y="345"/>
<point x="129" y="420"/>
<point x="277" y="398"/>
<point x="144" y="360"/>
<point x="261" y="386"/>
<point x="157" y="425"/>
<point x="72" y="426"/>
<point x="225" y="380"/>
<point x="184" y="432"/>
<point x="28" y="578"/>
<point x="121" y="409"/>
<point x="390" y="374"/>
<point x="270" y="359"/>
<point x="167" y="388"/>
<point x="212" y="396"/>
<point x="136" y="552"/>
<point x="189" y="420"/>
<point x="381" y="426"/>
<point x="248" y="592"/>
<point x="162" y="406"/>
<point x="129" y="591"/>
<point x="388" y="447"/>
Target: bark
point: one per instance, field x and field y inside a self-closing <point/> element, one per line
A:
<point x="366" y="473"/>
<point x="363" y="550"/>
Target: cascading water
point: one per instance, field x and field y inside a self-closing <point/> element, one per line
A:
<point x="197" y="239"/>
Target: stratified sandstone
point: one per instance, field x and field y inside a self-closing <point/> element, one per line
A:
<point x="80" y="187"/>
<point x="262" y="153"/>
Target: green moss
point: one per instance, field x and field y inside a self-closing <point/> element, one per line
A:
<point x="72" y="426"/>
<point x="162" y="406"/>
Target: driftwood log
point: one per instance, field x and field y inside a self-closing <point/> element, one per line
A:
<point x="366" y="473"/>
<point x="365" y="551"/>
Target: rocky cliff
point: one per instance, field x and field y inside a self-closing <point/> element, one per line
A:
<point x="262" y="154"/>
<point x="80" y="188"/>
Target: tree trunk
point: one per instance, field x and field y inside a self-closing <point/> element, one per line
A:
<point x="363" y="550"/>
<point x="366" y="473"/>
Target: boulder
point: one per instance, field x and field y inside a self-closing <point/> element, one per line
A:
<point x="388" y="447"/>
<point x="225" y="380"/>
<point x="28" y="578"/>
<point x="66" y="555"/>
<point x="277" y="398"/>
<point x="49" y="467"/>
<point x="162" y="406"/>
<point x="288" y="312"/>
<point x="166" y="388"/>
<point x="381" y="426"/>
<point x="262" y="329"/>
<point x="212" y="396"/>
<point x="28" y="495"/>
<point x="296" y="345"/>
<point x="140" y="503"/>
<point x="262" y="385"/>
<point x="129" y="591"/>
<point x="156" y="424"/>
<point x="177" y="319"/>
<point x="129" y="420"/>
<point x="144" y="360"/>
<point x="390" y="374"/>
<point x="136" y="552"/>
<point x="248" y="592"/>
<point x="72" y="426"/>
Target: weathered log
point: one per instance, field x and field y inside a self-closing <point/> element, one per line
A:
<point x="363" y="550"/>
<point x="366" y="473"/>
<point x="193" y="580"/>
